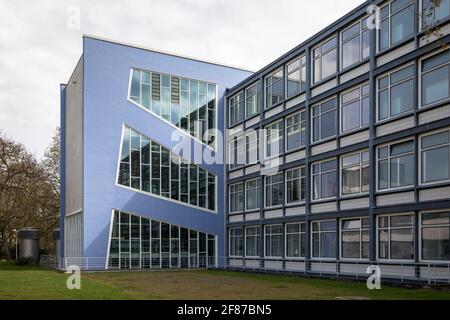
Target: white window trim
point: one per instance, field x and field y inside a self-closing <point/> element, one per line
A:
<point x="280" y="143"/>
<point x="229" y="243"/>
<point x="419" y="242"/>
<point x="320" y="246"/>
<point x="377" y="246"/>
<point x="229" y="197"/>
<point x="361" y="229"/>
<point x="286" y="189"/>
<point x="389" y="144"/>
<point x="234" y="105"/>
<point x="301" y="147"/>
<point x="265" y="234"/>
<point x="258" y="236"/>
<point x="314" y="83"/>
<point x="266" y="107"/>
<point x="301" y="66"/>
<point x="319" y="104"/>
<point x="258" y="193"/>
<point x="341" y="106"/>
<point x="419" y="153"/>
<point x="341" y="43"/>
<point x="419" y="76"/>
<point x="341" y="167"/>
<point x="265" y="186"/>
<point x="300" y="258"/>
<point x="258" y="147"/>
<point x="377" y="89"/>
<point x="258" y="95"/>
<point x="312" y="180"/>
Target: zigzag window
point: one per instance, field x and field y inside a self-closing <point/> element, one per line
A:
<point x="187" y="104"/>
<point x="149" y="167"/>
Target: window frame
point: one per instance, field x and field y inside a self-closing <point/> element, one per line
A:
<point x="377" y="247"/>
<point x="270" y="236"/>
<point x="320" y="238"/>
<point x="258" y="195"/>
<point x="302" y="65"/>
<point x="319" y="104"/>
<point x="422" y="27"/>
<point x="257" y="236"/>
<point x="230" y="239"/>
<point x="266" y="86"/>
<point x="419" y="241"/>
<point x="362" y="28"/>
<point x="248" y="141"/>
<point x="377" y="159"/>
<point x="266" y="185"/>
<point x="361" y="164"/>
<point x="258" y="98"/>
<point x="280" y="130"/>
<point x="300" y="233"/>
<point x="234" y="102"/>
<point x="319" y="45"/>
<point x="312" y="174"/>
<point x="301" y="202"/>
<point x="420" y="150"/>
<point x="303" y="135"/>
<point x="236" y="192"/>
<point x="360" y="99"/>
<point x="361" y="230"/>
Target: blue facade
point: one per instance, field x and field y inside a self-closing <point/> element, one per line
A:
<point x="106" y="109"/>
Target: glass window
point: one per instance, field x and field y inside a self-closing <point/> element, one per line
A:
<point x="324" y="120"/>
<point x="296" y="79"/>
<point x="274" y="190"/>
<point x="355" y="108"/>
<point x="295" y="131"/>
<point x="355" y="173"/>
<point x="274" y="139"/>
<point x="435" y="73"/>
<point x="324" y="60"/>
<point x="252" y="147"/>
<point x="435" y="235"/>
<point x="236" y="108"/>
<point x="323" y="237"/>
<point x="237" y="152"/>
<point x="396" y="237"/>
<point x="237" y="197"/>
<point x="396" y="165"/>
<point x="324" y="180"/>
<point x="397" y="23"/>
<point x="274" y="241"/>
<point x="187" y="104"/>
<point x="435" y="157"/>
<point x="252" y="191"/>
<point x="295" y="240"/>
<point x="236" y="242"/>
<point x="396" y="93"/>
<point x="295" y="185"/>
<point x="252" y="100"/>
<point x="252" y="241"/>
<point x="355" y="238"/>
<point x="355" y="43"/>
<point x="274" y="88"/>
<point x="434" y="11"/>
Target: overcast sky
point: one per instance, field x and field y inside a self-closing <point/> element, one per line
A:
<point x="39" y="45"/>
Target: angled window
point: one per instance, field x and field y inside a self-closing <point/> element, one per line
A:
<point x="236" y="242"/>
<point x="324" y="180"/>
<point x="295" y="131"/>
<point x="295" y="185"/>
<point x="236" y="196"/>
<point x="274" y="190"/>
<point x="434" y="12"/>
<point x="252" y="194"/>
<point x="187" y="104"/>
<point x="274" y="139"/>
<point x="396" y="93"/>
<point x="435" y="157"/>
<point x="147" y="166"/>
<point x="435" y="79"/>
<point x="435" y="236"/>
<point x="355" y="238"/>
<point x="274" y="241"/>
<point x="324" y="60"/>
<point x="355" y="44"/>
<point x="236" y="108"/>
<point x="296" y="77"/>
<point x="295" y="240"/>
<point x="252" y="97"/>
<point x="397" y="23"/>
<point x="355" y="173"/>
<point x="141" y="243"/>
<point x="252" y="242"/>
<point x="274" y="88"/>
<point x="323" y="239"/>
<point x="395" y="165"/>
<point x="396" y="237"/>
<point x="355" y="108"/>
<point x="324" y="120"/>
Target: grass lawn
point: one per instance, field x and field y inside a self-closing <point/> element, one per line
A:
<point x="36" y="283"/>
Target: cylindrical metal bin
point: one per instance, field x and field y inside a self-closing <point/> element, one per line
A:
<point x="28" y="239"/>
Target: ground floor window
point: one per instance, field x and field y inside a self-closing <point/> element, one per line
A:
<point x="138" y="242"/>
<point x="295" y="240"/>
<point x="435" y="236"/>
<point x="252" y="241"/>
<point x="323" y="235"/>
<point x="396" y="237"/>
<point x="274" y="241"/>
<point x="236" y="242"/>
<point x="355" y="238"/>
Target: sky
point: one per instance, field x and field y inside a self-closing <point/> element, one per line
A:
<point x="41" y="42"/>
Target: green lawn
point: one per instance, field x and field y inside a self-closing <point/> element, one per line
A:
<point x="36" y="283"/>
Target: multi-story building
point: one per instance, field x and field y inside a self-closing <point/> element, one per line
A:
<point x="130" y="197"/>
<point x="339" y="150"/>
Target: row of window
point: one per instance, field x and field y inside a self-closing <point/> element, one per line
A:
<point x="397" y="24"/>
<point x="147" y="166"/>
<point x="395" y="239"/>
<point x="187" y="104"/>
<point x="138" y="242"/>
<point x="395" y="168"/>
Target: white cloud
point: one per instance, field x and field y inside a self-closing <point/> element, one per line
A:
<point x="38" y="51"/>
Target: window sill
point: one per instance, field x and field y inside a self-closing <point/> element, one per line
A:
<point x="393" y="191"/>
<point x="354" y="66"/>
<point x="325" y="200"/>
<point x="323" y="81"/>
<point x="353" y="131"/>
<point x="394" y="46"/>
<point x="396" y="117"/>
<point x="316" y="143"/>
